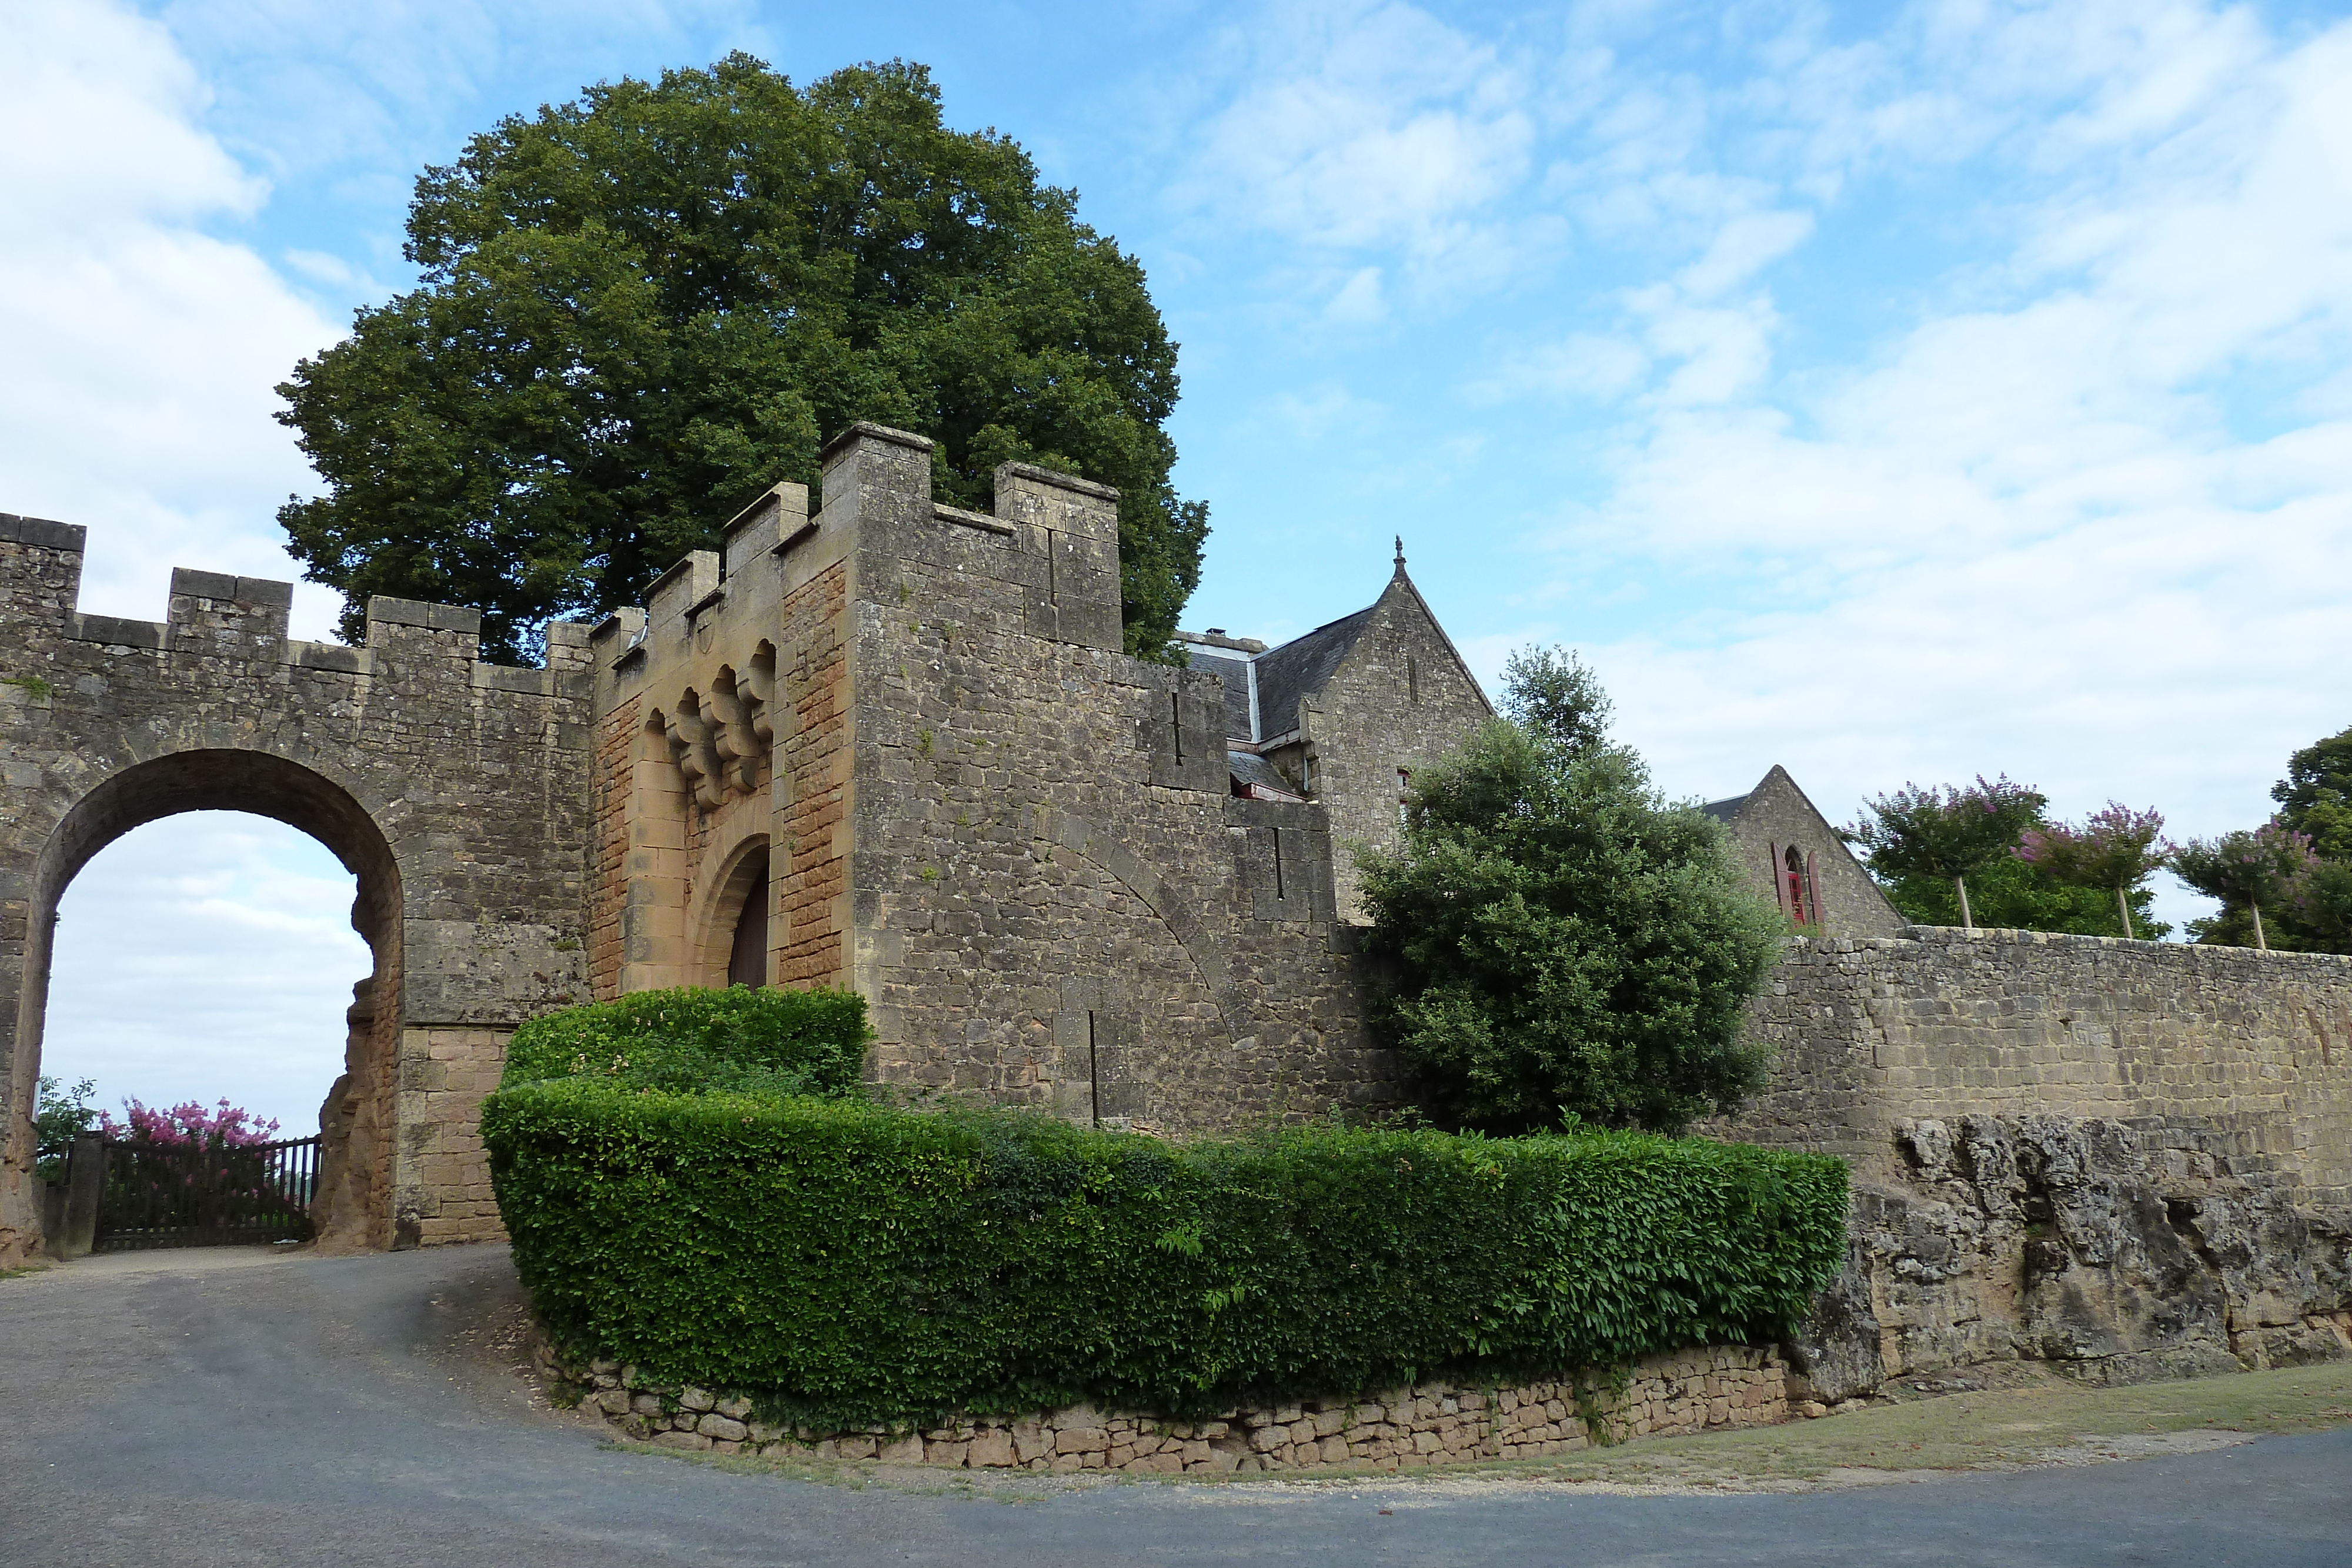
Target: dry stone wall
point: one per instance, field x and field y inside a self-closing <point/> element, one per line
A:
<point x="1713" y="1388"/>
<point x="2128" y="1159"/>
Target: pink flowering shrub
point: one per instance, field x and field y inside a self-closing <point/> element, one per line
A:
<point x="187" y="1125"/>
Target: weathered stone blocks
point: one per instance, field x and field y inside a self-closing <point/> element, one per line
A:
<point x="1713" y="1388"/>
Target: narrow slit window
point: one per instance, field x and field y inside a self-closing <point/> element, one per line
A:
<point x="1094" y="1073"/>
<point x="1278" y="861"/>
<point x="1412" y="679"/>
<point x="1176" y="721"/>
<point x="1404" y="793"/>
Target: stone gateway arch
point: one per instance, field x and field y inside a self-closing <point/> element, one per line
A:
<point x="453" y="790"/>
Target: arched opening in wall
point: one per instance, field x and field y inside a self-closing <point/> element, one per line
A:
<point x="1798" y="896"/>
<point x="192" y="941"/>
<point x="735" y="952"/>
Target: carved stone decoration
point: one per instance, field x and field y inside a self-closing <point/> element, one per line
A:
<point x="732" y="734"/>
<point x="759" y="681"/>
<point x="692" y="743"/>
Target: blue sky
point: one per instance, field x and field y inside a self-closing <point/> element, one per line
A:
<point x="1893" y="392"/>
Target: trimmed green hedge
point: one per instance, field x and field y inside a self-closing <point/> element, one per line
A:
<point x="849" y="1264"/>
<point x="692" y="1040"/>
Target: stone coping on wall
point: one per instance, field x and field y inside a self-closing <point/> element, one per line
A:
<point x="1713" y="1388"/>
<point x="1958" y="937"/>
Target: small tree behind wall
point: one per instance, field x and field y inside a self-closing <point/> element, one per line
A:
<point x="2113" y="850"/>
<point x="2267" y="866"/>
<point x="1950" y="833"/>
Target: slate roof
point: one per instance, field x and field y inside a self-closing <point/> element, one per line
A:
<point x="1300" y="668"/>
<point x="1237" y="677"/>
<point x="1249" y="768"/>
<point x="1724" y="810"/>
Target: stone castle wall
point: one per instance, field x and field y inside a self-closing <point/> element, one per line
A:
<point x="1019" y="844"/>
<point x="455" y="790"/>
<point x="2130" y="1159"/>
<point x="1058" y="899"/>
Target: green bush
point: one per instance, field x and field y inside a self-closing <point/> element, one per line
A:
<point x="849" y="1264"/>
<point x="690" y="1041"/>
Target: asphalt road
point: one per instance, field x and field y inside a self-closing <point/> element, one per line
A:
<point x="192" y="1411"/>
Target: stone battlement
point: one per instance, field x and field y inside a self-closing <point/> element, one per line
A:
<point x="212" y="614"/>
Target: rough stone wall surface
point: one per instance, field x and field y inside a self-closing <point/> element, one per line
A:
<point x="812" y="760"/>
<point x="1056" y="898"/>
<point x="1776" y="817"/>
<point x="2130" y="1159"/>
<point x="617" y="743"/>
<point x="456" y="790"/>
<point x="445" y="1075"/>
<point x="1713" y="1388"/>
<point x="1401" y="700"/>
<point x="733" y="687"/>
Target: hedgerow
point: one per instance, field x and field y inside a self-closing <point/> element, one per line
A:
<point x="851" y="1264"/>
<point x="694" y="1040"/>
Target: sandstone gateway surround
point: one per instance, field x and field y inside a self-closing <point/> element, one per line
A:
<point x="895" y="746"/>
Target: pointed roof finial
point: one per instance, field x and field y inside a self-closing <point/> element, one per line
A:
<point x="1400" y="560"/>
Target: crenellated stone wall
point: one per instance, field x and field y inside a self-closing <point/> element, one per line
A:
<point x="1019" y="842"/>
<point x="455" y="790"/>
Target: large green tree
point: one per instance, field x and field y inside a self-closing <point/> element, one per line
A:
<point x="1554" y="940"/>
<point x="639" y="309"/>
<point x="2015" y="894"/>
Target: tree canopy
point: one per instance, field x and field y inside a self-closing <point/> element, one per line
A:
<point x="2113" y="851"/>
<point x="2308" y="907"/>
<point x="1949" y="834"/>
<point x="639" y="309"/>
<point x="2248" y="870"/>
<point x="1554" y="941"/>
<point x="2316" y="796"/>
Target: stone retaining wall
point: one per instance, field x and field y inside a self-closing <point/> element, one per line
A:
<point x="2127" y="1160"/>
<point x="1713" y="1388"/>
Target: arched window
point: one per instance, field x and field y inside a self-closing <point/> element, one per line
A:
<point x="1800" y="893"/>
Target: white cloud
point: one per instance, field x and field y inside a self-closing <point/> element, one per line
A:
<point x="141" y="348"/>
<point x="1359" y="300"/>
<point x="206" y="956"/>
<point x="1366" y="126"/>
<point x="1741" y="248"/>
<point x="2028" y="537"/>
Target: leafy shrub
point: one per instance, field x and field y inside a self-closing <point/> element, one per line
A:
<point x="850" y="1264"/>
<point x="772" y="1042"/>
<point x="1553" y="939"/>
<point x="60" y="1115"/>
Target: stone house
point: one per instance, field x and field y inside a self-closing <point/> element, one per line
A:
<point x="1787" y="847"/>
<point x="1344" y="716"/>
